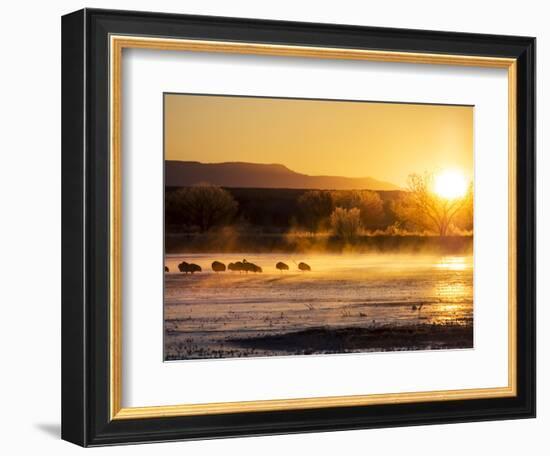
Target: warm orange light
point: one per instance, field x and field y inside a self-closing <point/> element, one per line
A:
<point x="450" y="184"/>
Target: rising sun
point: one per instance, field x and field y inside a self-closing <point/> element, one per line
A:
<point x="450" y="184"/>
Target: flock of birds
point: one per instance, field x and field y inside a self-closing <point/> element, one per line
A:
<point x="238" y="266"/>
<point x="246" y="266"/>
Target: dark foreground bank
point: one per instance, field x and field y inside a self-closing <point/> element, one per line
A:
<point x="349" y="340"/>
<point x="325" y="340"/>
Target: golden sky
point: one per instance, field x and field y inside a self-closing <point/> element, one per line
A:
<point x="385" y="141"/>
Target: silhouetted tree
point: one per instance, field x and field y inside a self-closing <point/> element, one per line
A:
<point x="204" y="206"/>
<point x="422" y="207"/>
<point x="315" y="207"/>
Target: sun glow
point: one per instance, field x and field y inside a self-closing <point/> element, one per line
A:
<point x="450" y="184"/>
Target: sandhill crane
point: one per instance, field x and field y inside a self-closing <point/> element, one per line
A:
<point x="194" y="268"/>
<point x="238" y="266"/>
<point x="166" y="269"/>
<point x="244" y="266"/>
<point x="251" y="267"/>
<point x="189" y="267"/>
<point x="218" y="266"/>
<point x="304" y="267"/>
<point x="281" y="266"/>
<point x="247" y="267"/>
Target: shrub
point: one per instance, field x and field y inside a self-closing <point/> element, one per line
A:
<point x="368" y="202"/>
<point x="346" y="223"/>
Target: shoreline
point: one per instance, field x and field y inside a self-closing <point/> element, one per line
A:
<point x="234" y="242"/>
<point x="327" y="340"/>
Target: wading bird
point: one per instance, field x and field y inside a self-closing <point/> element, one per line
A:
<point x="250" y="267"/>
<point x="304" y="267"/>
<point x="189" y="267"/>
<point x="218" y="266"/>
<point x="194" y="268"/>
<point x="419" y="308"/>
<point x="281" y="266"/>
<point x="236" y="267"/>
<point x="166" y="269"/>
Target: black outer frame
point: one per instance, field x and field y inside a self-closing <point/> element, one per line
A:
<point x="85" y="227"/>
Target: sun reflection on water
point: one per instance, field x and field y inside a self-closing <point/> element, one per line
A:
<point x="451" y="263"/>
<point x="450" y="291"/>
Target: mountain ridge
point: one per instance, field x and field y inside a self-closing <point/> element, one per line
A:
<point x="260" y="175"/>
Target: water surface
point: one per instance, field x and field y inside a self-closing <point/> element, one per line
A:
<point x="205" y="311"/>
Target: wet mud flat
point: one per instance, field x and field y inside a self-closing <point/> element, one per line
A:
<point x="351" y="340"/>
<point x="328" y="340"/>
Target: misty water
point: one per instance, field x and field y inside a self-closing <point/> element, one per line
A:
<point x="205" y="311"/>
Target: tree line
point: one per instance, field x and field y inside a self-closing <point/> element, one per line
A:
<point x="344" y="213"/>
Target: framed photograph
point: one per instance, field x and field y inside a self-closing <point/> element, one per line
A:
<point x="278" y="227"/>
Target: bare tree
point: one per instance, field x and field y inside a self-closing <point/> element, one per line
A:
<point x="425" y="209"/>
<point x="368" y="202"/>
<point x="203" y="206"/>
<point x="315" y="207"/>
<point x="346" y="223"/>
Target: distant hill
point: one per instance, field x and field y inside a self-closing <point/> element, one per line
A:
<point x="255" y="175"/>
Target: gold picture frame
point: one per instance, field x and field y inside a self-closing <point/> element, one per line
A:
<point x="93" y="45"/>
<point x="117" y="46"/>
